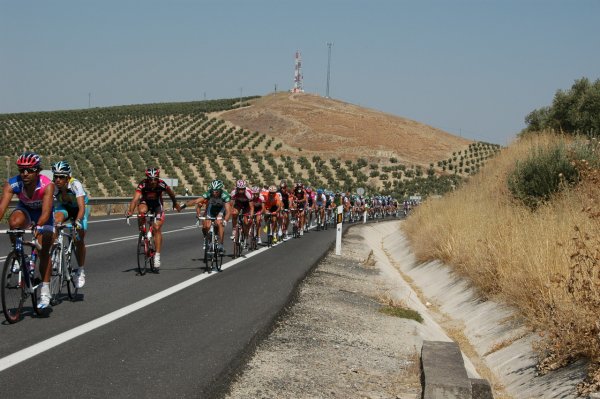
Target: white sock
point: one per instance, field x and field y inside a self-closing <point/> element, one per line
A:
<point x="45" y="288"/>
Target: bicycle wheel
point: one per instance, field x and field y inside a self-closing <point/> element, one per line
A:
<point x="141" y="255"/>
<point x="69" y="275"/>
<point x="150" y="251"/>
<point x="13" y="291"/>
<point x="217" y="258"/>
<point x="237" y="242"/>
<point x="56" y="276"/>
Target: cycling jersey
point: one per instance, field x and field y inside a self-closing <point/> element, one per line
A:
<point x="272" y="203"/>
<point x="32" y="207"/>
<point x="152" y="196"/>
<point x="66" y="203"/>
<point x="241" y="200"/>
<point x="215" y="205"/>
<point x="258" y="203"/>
<point x="320" y="200"/>
<point x="310" y="197"/>
<point x="285" y="198"/>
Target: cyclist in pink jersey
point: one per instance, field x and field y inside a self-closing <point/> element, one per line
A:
<point x="35" y="206"/>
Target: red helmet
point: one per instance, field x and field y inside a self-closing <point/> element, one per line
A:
<point x="152" y="173"/>
<point x="29" y="160"/>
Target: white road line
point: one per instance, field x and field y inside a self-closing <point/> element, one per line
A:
<point x="122" y="218"/>
<point x="27" y="353"/>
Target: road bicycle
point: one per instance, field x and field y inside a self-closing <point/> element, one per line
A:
<point x="18" y="281"/>
<point x="61" y="258"/>
<point x="239" y="238"/>
<point x="213" y="256"/>
<point x="271" y="227"/>
<point x="146" y="248"/>
<point x="295" y="223"/>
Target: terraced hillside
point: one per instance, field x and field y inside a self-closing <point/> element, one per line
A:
<point x="110" y="147"/>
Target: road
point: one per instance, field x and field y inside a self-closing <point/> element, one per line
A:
<point x="181" y="333"/>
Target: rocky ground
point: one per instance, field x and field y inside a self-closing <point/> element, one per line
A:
<point x="334" y="342"/>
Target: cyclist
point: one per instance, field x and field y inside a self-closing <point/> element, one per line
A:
<point x="320" y="203"/>
<point x="285" y="193"/>
<point x="242" y="202"/>
<point x="35" y="206"/>
<point x="258" y="201"/>
<point x="148" y="197"/>
<point x="274" y="206"/>
<point x="218" y="202"/>
<point x="301" y="202"/>
<point x="310" y="206"/>
<point x="71" y="201"/>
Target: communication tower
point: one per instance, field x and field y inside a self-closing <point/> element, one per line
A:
<point x="298" y="75"/>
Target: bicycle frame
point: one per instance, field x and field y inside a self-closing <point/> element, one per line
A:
<point x="61" y="256"/>
<point x="146" y="248"/>
<point x="212" y="254"/>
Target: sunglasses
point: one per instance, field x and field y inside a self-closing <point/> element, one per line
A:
<point x="61" y="177"/>
<point x="28" y="170"/>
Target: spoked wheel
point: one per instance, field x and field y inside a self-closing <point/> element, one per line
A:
<point x="13" y="291"/>
<point x="56" y="278"/>
<point x="150" y="252"/>
<point x="217" y="259"/>
<point x="70" y="282"/>
<point x="141" y="256"/>
<point x="237" y="244"/>
<point x="207" y="252"/>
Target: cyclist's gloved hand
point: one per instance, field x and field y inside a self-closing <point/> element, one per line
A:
<point x="78" y="224"/>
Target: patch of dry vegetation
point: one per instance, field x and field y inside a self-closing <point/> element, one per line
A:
<point x="545" y="262"/>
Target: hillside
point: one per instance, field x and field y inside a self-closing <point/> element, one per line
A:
<point x="335" y="128"/>
<point x="262" y="139"/>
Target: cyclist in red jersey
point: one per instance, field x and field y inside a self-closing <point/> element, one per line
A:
<point x="241" y="197"/>
<point x="287" y="205"/>
<point x="148" y="197"/>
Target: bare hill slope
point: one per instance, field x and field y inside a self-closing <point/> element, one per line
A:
<point x="326" y="126"/>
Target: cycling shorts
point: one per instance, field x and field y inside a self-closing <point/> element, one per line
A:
<point x="33" y="215"/>
<point x="71" y="213"/>
<point x="155" y="207"/>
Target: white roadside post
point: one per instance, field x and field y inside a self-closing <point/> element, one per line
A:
<point x="338" y="236"/>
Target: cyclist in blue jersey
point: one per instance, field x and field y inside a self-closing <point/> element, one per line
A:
<point x="70" y="199"/>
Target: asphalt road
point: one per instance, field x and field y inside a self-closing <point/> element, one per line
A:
<point x="181" y="333"/>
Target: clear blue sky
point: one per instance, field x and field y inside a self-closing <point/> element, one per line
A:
<point x="474" y="68"/>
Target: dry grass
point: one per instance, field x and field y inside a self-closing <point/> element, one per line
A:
<point x="544" y="262"/>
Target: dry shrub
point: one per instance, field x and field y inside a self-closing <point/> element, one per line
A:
<point x="543" y="262"/>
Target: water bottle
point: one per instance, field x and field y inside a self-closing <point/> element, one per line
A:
<point x="32" y="263"/>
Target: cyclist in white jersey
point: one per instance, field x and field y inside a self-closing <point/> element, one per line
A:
<point x="71" y="200"/>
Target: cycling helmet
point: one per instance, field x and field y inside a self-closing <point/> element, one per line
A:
<point x="319" y="191"/>
<point x="29" y="160"/>
<point x="255" y="190"/>
<point x="272" y="189"/>
<point x="241" y="184"/>
<point x="216" y="185"/>
<point x="299" y="183"/>
<point x="308" y="189"/>
<point x="283" y="183"/>
<point x="153" y="173"/>
<point x="61" y="168"/>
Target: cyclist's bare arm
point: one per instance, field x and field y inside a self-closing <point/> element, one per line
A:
<point x="171" y="194"/>
<point x="134" y="202"/>
<point x="7" y="194"/>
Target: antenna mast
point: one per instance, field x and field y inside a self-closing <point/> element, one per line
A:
<point x="298" y="75"/>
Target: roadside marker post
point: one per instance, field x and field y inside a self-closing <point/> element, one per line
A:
<point x="338" y="236"/>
